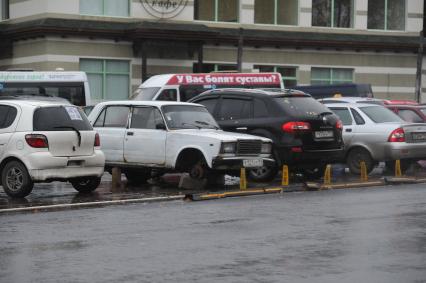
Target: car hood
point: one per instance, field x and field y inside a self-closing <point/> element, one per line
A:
<point x="218" y="135"/>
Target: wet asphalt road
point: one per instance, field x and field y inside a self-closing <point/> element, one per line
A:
<point x="360" y="235"/>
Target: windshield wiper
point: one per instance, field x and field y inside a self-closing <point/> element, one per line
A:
<point x="207" y="124"/>
<point x="193" y="125"/>
<point x="74" y="129"/>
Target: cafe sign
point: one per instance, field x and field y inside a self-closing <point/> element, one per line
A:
<point x="164" y="9"/>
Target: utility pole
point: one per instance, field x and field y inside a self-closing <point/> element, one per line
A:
<point x="240" y="51"/>
<point x="420" y="59"/>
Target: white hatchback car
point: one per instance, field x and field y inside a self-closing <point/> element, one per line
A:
<point x="43" y="141"/>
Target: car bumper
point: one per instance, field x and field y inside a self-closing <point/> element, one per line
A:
<point x="236" y="163"/>
<point x="42" y="166"/>
<point x="310" y="158"/>
<point x="400" y="150"/>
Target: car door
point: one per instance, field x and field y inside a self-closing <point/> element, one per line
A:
<point x="8" y="116"/>
<point x="111" y="125"/>
<point x="235" y="113"/>
<point x="145" y="141"/>
<point x="349" y="125"/>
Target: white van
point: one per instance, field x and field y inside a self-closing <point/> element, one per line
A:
<point x="72" y="86"/>
<point x="182" y="87"/>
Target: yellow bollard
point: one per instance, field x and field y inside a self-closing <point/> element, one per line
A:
<point x="327" y="175"/>
<point x="243" y="179"/>
<point x="398" y="172"/>
<point x="364" y="175"/>
<point x="285" y="181"/>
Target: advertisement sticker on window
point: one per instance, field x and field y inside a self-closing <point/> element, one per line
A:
<point x="73" y="113"/>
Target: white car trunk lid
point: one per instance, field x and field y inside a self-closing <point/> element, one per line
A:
<point x="66" y="143"/>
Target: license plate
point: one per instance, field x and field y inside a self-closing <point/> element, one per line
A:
<point x="253" y="163"/>
<point x="419" y="136"/>
<point x="324" y="134"/>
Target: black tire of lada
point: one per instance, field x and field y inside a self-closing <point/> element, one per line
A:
<point x="138" y="177"/>
<point x="86" y="185"/>
<point x="17" y="170"/>
<point x="355" y="156"/>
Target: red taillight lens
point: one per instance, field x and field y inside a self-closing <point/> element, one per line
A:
<point x="97" y="140"/>
<point x="37" y="141"/>
<point x="293" y="127"/>
<point x="397" y="135"/>
<point x="339" y="125"/>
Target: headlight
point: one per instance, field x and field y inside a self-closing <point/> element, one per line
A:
<point x="228" y="147"/>
<point x="266" y="148"/>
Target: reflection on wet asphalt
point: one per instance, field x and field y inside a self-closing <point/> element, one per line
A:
<point x="364" y="235"/>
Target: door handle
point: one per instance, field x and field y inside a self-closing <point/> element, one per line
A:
<point x="348" y="130"/>
<point x="242" y="129"/>
<point x="130" y="133"/>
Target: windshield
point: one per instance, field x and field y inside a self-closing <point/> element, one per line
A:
<point x="379" y="114"/>
<point x="73" y="92"/>
<point x="301" y="106"/>
<point x="146" y="93"/>
<point x="188" y="117"/>
<point x="60" y="118"/>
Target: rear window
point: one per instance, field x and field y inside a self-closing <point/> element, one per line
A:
<point x="60" y="118"/>
<point x="301" y="106"/>
<point x="379" y="114"/>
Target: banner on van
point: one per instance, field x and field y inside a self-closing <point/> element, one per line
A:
<point x="226" y="79"/>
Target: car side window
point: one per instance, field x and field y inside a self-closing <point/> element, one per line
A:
<point x="410" y="116"/>
<point x="344" y="115"/>
<point x="260" y="109"/>
<point x="146" y="118"/>
<point x="210" y="104"/>
<point x="7" y="116"/>
<point x="114" y="117"/>
<point x="168" y="95"/>
<point x="235" y="109"/>
<point x="358" y="118"/>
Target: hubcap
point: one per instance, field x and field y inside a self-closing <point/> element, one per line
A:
<point x="261" y="171"/>
<point x="14" y="179"/>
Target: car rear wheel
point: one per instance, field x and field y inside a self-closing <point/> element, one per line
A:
<point x="86" y="184"/>
<point x="263" y="174"/>
<point x="16" y="181"/>
<point x="405" y="164"/>
<point x="354" y="158"/>
<point x="138" y="176"/>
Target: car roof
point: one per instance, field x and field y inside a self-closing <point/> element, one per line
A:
<point x="349" y="99"/>
<point x="254" y="91"/>
<point x="34" y="103"/>
<point x="145" y="102"/>
<point x="352" y="104"/>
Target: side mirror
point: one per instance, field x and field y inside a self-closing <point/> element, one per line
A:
<point x="160" y="126"/>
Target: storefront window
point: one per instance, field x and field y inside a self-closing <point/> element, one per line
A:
<point x="115" y="8"/>
<point x="277" y="12"/>
<point x="4" y="10"/>
<point x="209" y="68"/>
<point x="108" y="79"/>
<point x="288" y="74"/>
<point x="386" y="14"/>
<point x="332" y="13"/>
<point x="326" y="76"/>
<point x="216" y="10"/>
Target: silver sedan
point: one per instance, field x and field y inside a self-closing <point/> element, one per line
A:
<point x="372" y="133"/>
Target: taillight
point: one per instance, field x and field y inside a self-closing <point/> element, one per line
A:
<point x="37" y="141"/>
<point x="339" y="125"/>
<point x="97" y="140"/>
<point x="397" y="135"/>
<point x="293" y="127"/>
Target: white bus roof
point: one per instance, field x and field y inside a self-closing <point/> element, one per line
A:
<point x="242" y="79"/>
<point x="58" y="76"/>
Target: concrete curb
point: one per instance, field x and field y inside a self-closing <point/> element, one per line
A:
<point x="56" y="207"/>
<point x="248" y="192"/>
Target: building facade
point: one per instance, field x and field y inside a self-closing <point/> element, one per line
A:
<point x="119" y="43"/>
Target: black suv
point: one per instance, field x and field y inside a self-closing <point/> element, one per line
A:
<point x="306" y="134"/>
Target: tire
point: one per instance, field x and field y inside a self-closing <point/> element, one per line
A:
<point x="16" y="181"/>
<point x="138" y="177"/>
<point x="405" y="165"/>
<point x="86" y="185"/>
<point x="263" y="174"/>
<point x="355" y="156"/>
<point x="199" y="170"/>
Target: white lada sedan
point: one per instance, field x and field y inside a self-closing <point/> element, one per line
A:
<point x="139" y="136"/>
<point x="373" y="133"/>
<point x="43" y="141"/>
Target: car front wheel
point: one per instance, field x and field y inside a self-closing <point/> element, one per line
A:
<point x="16" y="181"/>
<point x="86" y="184"/>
